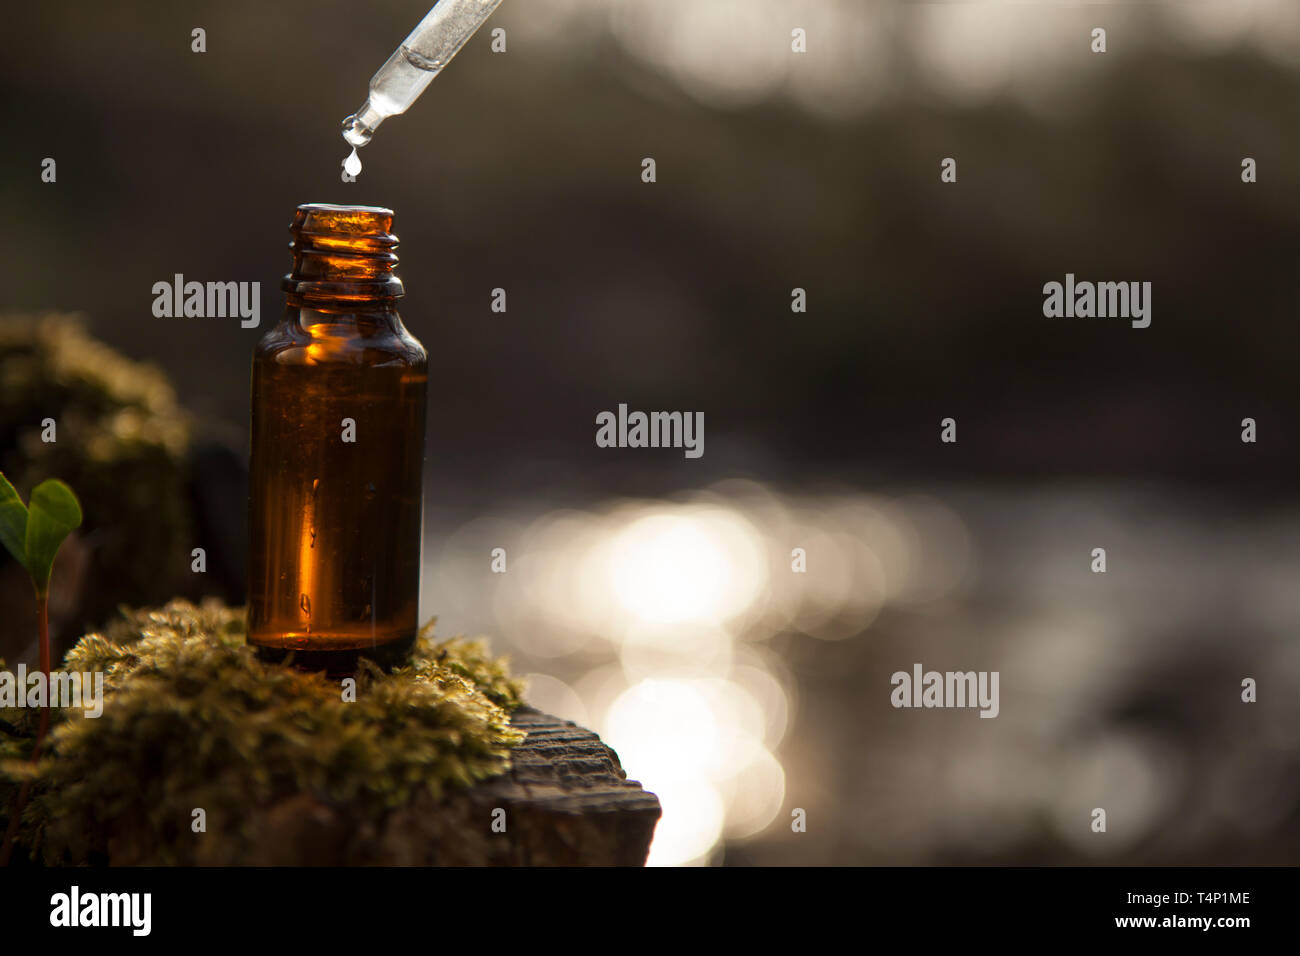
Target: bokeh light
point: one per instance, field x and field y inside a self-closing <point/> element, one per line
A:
<point x="647" y="621"/>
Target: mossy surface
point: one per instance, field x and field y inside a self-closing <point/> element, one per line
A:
<point x="192" y="719"/>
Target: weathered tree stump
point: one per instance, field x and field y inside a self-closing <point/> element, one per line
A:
<point x="566" y="802"/>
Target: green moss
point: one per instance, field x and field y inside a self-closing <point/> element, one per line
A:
<point x="192" y="719"/>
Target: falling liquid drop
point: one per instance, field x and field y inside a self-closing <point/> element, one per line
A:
<point x="352" y="165"/>
<point x="304" y="602"/>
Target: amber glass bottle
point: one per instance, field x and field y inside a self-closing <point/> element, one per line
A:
<point x="338" y="410"/>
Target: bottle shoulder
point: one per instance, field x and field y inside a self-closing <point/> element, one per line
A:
<point x="314" y="337"/>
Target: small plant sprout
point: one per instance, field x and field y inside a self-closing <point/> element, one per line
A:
<point x="33" y="534"/>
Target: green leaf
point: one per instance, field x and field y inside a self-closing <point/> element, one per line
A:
<point x="52" y="514"/>
<point x="13" y="521"/>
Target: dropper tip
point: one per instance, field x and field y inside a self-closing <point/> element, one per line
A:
<point x="361" y="125"/>
<point x="356" y="133"/>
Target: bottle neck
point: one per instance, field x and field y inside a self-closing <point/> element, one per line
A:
<point x="344" y="260"/>
<point x="335" y="332"/>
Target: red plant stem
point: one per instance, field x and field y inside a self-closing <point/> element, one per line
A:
<point x="43" y="627"/>
<point x="43" y="624"/>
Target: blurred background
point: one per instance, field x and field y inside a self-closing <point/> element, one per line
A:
<point x="651" y="597"/>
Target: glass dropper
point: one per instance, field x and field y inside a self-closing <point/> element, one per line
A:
<point x="422" y="55"/>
